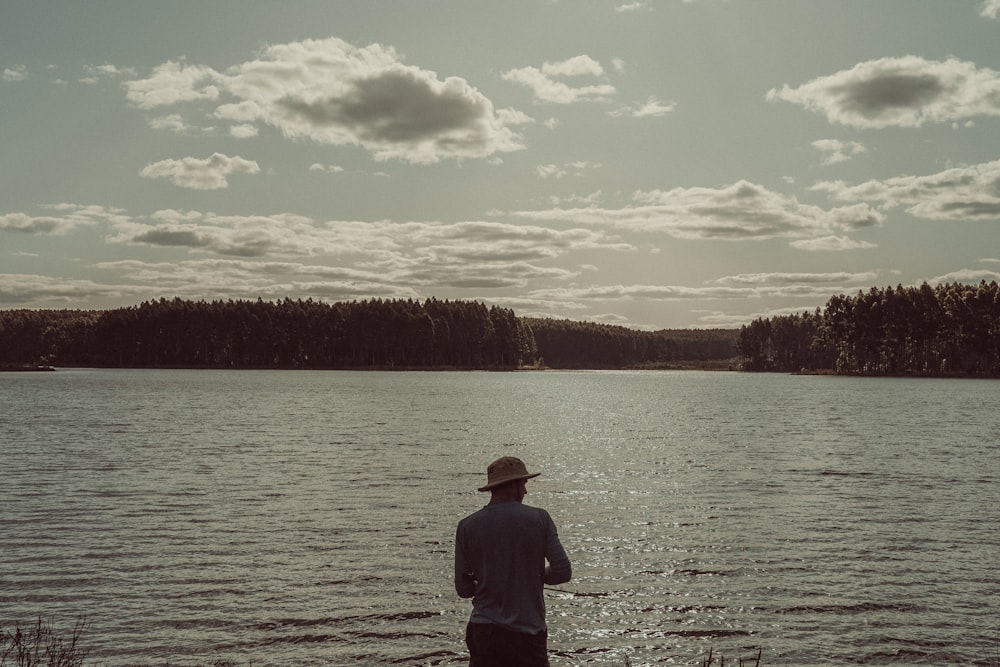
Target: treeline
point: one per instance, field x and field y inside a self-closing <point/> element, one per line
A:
<point x="571" y="344"/>
<point x="361" y="334"/>
<point x="948" y="330"/>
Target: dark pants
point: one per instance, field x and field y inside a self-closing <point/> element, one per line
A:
<point x="494" y="646"/>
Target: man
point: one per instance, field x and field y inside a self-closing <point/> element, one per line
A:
<point x="500" y="562"/>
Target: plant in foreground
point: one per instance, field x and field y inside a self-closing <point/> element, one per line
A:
<point x="38" y="646"/>
<point x="709" y="660"/>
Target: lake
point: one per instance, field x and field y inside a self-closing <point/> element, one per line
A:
<point x="307" y="518"/>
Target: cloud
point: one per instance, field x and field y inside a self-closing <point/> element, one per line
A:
<point x="172" y="122"/>
<point x="832" y="243"/>
<point x="785" y="278"/>
<point x="576" y="199"/>
<point x="961" y="193"/>
<point x="26" y="224"/>
<point x="109" y="70"/>
<point x="990" y="9"/>
<point x="651" y="108"/>
<point x="31" y="288"/>
<point x="173" y="83"/>
<point x="243" y="131"/>
<point x="740" y="212"/>
<point x="15" y="73"/>
<point x="385" y="258"/>
<point x="547" y="89"/>
<point x="240" y="236"/>
<point x="334" y="93"/>
<point x="208" y="174"/>
<point x="557" y="171"/>
<point x="67" y="217"/>
<point x="682" y="292"/>
<point x="632" y="7"/>
<point x="419" y="249"/>
<point x="836" y="151"/>
<point x="971" y="276"/>
<point x="94" y="73"/>
<point x="331" y="168"/>
<point x="243" y="278"/>
<point x="899" y="92"/>
<point x="576" y="66"/>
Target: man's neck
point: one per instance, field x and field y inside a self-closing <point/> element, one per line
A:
<point x="497" y="498"/>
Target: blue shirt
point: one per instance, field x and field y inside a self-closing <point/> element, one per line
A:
<point x="500" y="562"/>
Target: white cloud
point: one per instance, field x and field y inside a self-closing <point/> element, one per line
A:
<point x="172" y="83"/>
<point x="240" y="236"/>
<point x="246" y="278"/>
<point x="972" y="276"/>
<point x="412" y="251"/>
<point x="243" y="131"/>
<point x="66" y="218"/>
<point x="29" y="288"/>
<point x="784" y="278"/>
<point x="15" y="73"/>
<point x="990" y="9"/>
<point x="832" y="243"/>
<point x="112" y="70"/>
<point x="632" y="7"/>
<point x="739" y="212"/>
<point x="335" y="93"/>
<point x="208" y="174"/>
<point x="94" y="73"/>
<point x="576" y="66"/>
<point x="384" y="259"/>
<point x="835" y="150"/>
<point x="589" y="199"/>
<point x="961" y="193"/>
<point x="547" y="89"/>
<point x="682" y="292"/>
<point x="26" y="224"/>
<point x="651" y="108"/>
<point x="172" y="122"/>
<point x="558" y="171"/>
<point x="899" y="92"/>
<point x="331" y="168"/>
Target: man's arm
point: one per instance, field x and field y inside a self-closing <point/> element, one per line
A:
<point x="559" y="570"/>
<point x="465" y="580"/>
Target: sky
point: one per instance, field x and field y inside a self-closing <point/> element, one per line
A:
<point x="656" y="164"/>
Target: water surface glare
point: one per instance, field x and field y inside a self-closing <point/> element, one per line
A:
<point x="306" y="518"/>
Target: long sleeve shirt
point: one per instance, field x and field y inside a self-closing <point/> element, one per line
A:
<point x="501" y="553"/>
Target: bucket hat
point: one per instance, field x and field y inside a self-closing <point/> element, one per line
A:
<point x="506" y="469"/>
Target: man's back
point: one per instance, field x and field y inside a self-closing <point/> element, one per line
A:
<point x="505" y="547"/>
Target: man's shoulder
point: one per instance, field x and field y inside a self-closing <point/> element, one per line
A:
<point x="506" y="511"/>
<point x="469" y="518"/>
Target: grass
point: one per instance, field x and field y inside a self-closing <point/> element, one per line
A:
<point x="742" y="663"/>
<point x="709" y="660"/>
<point x="37" y="645"/>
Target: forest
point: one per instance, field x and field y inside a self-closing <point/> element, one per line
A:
<point x="947" y="330"/>
<point x="370" y="334"/>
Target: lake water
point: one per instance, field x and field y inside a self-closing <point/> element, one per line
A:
<point x="307" y="518"/>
